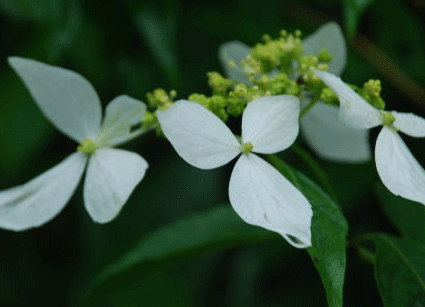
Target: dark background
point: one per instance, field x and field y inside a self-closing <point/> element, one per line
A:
<point x="133" y="47"/>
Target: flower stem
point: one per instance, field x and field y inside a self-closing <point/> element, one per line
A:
<point x="364" y="253"/>
<point x="317" y="170"/>
<point x="309" y="106"/>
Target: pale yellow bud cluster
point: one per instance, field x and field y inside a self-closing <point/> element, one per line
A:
<point x="160" y="99"/>
<point x="218" y="83"/>
<point x="373" y="87"/>
<point x="251" y="67"/>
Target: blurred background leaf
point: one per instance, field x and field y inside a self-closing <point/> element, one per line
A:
<point x="353" y="10"/>
<point x="160" y="35"/>
<point x="217" y="229"/>
<point x="400" y="267"/>
<point x="408" y="216"/>
<point x="41" y="11"/>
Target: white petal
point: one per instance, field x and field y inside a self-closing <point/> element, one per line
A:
<point x="409" y="123"/>
<point x="398" y="169"/>
<point x="354" y="110"/>
<point x="41" y="199"/>
<point x="332" y="140"/>
<point x="112" y="175"/>
<point x="271" y="123"/>
<point x="121" y="114"/>
<point x="67" y="99"/>
<point x="330" y="37"/>
<point x="233" y="51"/>
<point x="263" y="197"/>
<point x="198" y="136"/>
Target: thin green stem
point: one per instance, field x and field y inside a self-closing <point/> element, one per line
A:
<point x="317" y="170"/>
<point x="279" y="164"/>
<point x="309" y="106"/>
<point x="364" y="253"/>
<point x="363" y="237"/>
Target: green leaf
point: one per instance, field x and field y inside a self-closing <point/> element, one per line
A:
<point x="34" y="10"/>
<point x="160" y="37"/>
<point x="400" y="271"/>
<point x="329" y="230"/>
<point x="408" y="216"/>
<point x="217" y="229"/>
<point x="353" y="10"/>
<point x="23" y="127"/>
<point x="157" y="289"/>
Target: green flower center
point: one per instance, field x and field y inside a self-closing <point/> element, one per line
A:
<point x="387" y="119"/>
<point x="87" y="146"/>
<point x="247" y="147"/>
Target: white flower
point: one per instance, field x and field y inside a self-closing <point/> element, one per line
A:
<point x="72" y="105"/>
<point x="322" y="130"/>
<point x="257" y="191"/>
<point x="398" y="169"/>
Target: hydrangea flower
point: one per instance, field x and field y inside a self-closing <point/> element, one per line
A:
<point x="71" y="104"/>
<point x="320" y="126"/>
<point x="397" y="168"/>
<point x="257" y="191"/>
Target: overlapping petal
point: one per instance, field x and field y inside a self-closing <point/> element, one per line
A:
<point x="271" y="123"/>
<point x="121" y="114"/>
<point x="198" y="136"/>
<point x="112" y="175"/>
<point x="263" y="197"/>
<point x="330" y="37"/>
<point x="233" y="51"/>
<point x="42" y="198"/>
<point x="409" y="123"/>
<point x="66" y="98"/>
<point x="397" y="168"/>
<point x="332" y="140"/>
<point x="354" y="111"/>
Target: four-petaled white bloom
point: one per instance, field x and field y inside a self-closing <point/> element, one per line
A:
<point x="398" y="169"/>
<point x="257" y="191"/>
<point x="322" y="130"/>
<point x="70" y="102"/>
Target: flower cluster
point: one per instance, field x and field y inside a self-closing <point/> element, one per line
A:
<point x="276" y="87"/>
<point x="322" y="130"/>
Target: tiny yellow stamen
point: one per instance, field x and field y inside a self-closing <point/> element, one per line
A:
<point x="87" y="146"/>
<point x="247" y="147"/>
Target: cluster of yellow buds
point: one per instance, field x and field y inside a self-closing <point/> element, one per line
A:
<point x="276" y="53"/>
<point x="219" y="84"/>
<point x="216" y="104"/>
<point x="160" y="99"/>
<point x="272" y="67"/>
<point x="371" y="92"/>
